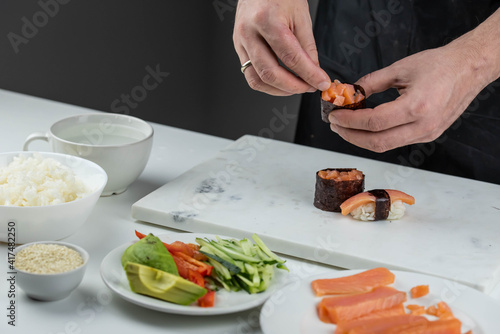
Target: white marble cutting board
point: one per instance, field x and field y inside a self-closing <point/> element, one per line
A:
<point x="267" y="187"/>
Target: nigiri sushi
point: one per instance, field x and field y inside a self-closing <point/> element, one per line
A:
<point x="335" y="185"/>
<point x="341" y="95"/>
<point x="377" y="204"/>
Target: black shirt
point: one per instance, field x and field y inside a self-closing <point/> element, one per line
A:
<point x="358" y="37"/>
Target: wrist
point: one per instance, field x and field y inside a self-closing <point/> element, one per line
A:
<point x="479" y="51"/>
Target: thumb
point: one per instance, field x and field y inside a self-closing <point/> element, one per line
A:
<point x="378" y="81"/>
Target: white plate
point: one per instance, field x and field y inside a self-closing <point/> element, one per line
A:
<point x="115" y="278"/>
<point x="295" y="310"/>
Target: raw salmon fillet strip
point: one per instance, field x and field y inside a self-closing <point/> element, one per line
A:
<point x="358" y="283"/>
<point x="343" y="308"/>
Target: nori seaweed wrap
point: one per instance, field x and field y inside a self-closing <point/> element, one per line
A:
<point x="330" y="193"/>
<point x="327" y="107"/>
<point x="382" y="203"/>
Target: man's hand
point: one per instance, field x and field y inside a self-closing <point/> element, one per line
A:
<point x="266" y="30"/>
<point x="435" y="87"/>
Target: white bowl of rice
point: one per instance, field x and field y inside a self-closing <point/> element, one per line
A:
<point x="46" y="196"/>
<point x="49" y="270"/>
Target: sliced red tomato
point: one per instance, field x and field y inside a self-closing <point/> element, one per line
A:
<point x="208" y="300"/>
<point x="194" y="247"/>
<point x="203" y="268"/>
<point x="183" y="267"/>
<point x="196" y="278"/>
<point x="139" y="234"/>
<point x="180" y="247"/>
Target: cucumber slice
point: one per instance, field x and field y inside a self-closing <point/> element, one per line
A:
<point x="266" y="250"/>
<point x="241" y="264"/>
<point x="222" y="271"/>
<point x="207" y="247"/>
<point x="233" y="269"/>
<point x="235" y="254"/>
<point x="248" y="248"/>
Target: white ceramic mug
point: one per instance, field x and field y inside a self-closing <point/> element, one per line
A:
<point x="120" y="144"/>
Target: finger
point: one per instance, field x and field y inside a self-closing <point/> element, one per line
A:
<point x="254" y="80"/>
<point x="305" y="36"/>
<point x="289" y="50"/>
<point x="379" y="81"/>
<point x="384" y="140"/>
<point x="266" y="65"/>
<point x="256" y="83"/>
<point x="385" y="116"/>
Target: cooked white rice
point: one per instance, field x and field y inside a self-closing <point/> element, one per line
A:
<point x="367" y="212"/>
<point x="37" y="181"/>
<point x="47" y="259"/>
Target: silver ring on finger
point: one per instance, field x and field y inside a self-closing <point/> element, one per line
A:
<point x="245" y="66"/>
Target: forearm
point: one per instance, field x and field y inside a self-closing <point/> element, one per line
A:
<point x="480" y="50"/>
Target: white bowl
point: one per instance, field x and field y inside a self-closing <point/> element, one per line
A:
<point x="49" y="287"/>
<point x="19" y="225"/>
<point x="120" y="144"/>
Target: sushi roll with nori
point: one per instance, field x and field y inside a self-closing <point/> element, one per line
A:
<point x="341" y="96"/>
<point x="334" y="186"/>
<point x="377" y="204"/>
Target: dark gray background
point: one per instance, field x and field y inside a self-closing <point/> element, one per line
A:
<point x="89" y="53"/>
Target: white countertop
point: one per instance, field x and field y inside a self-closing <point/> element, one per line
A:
<point x="257" y="186"/>
<point x="92" y="308"/>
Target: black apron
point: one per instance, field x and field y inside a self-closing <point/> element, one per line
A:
<point x="357" y="37"/>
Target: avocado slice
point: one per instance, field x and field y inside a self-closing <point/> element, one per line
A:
<point x="151" y="252"/>
<point x="162" y="285"/>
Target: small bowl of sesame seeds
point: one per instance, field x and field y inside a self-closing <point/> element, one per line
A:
<point x="49" y="270"/>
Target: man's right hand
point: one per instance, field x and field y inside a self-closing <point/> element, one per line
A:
<point x="266" y="30"/>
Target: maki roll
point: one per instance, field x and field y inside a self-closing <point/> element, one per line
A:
<point x="334" y="186"/>
<point x="341" y="96"/>
<point x="377" y="204"/>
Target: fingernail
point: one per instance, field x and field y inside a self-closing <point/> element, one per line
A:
<point x="311" y="90"/>
<point x="324" y="86"/>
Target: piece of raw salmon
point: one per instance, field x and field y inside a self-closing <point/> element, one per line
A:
<point x="405" y="323"/>
<point x="357" y="283"/>
<point x="343" y="308"/>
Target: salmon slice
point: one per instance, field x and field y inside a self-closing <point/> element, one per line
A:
<point x="390" y="312"/>
<point x="405" y="323"/>
<point x="334" y="174"/>
<point x="344" y="308"/>
<point x="339" y="101"/>
<point x="358" y="283"/>
<point x="419" y="291"/>
<point x="342" y="94"/>
<point x="365" y="197"/>
<point x="444" y="326"/>
<point x="336" y="88"/>
<point x="323" y="314"/>
<point x="432" y="310"/>
<point x="358" y="97"/>
<point x="349" y="93"/>
<point x="416" y="309"/>
<point x="440" y="310"/>
<point x="325" y="96"/>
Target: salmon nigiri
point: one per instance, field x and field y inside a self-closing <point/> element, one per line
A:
<point x="377" y="204"/>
